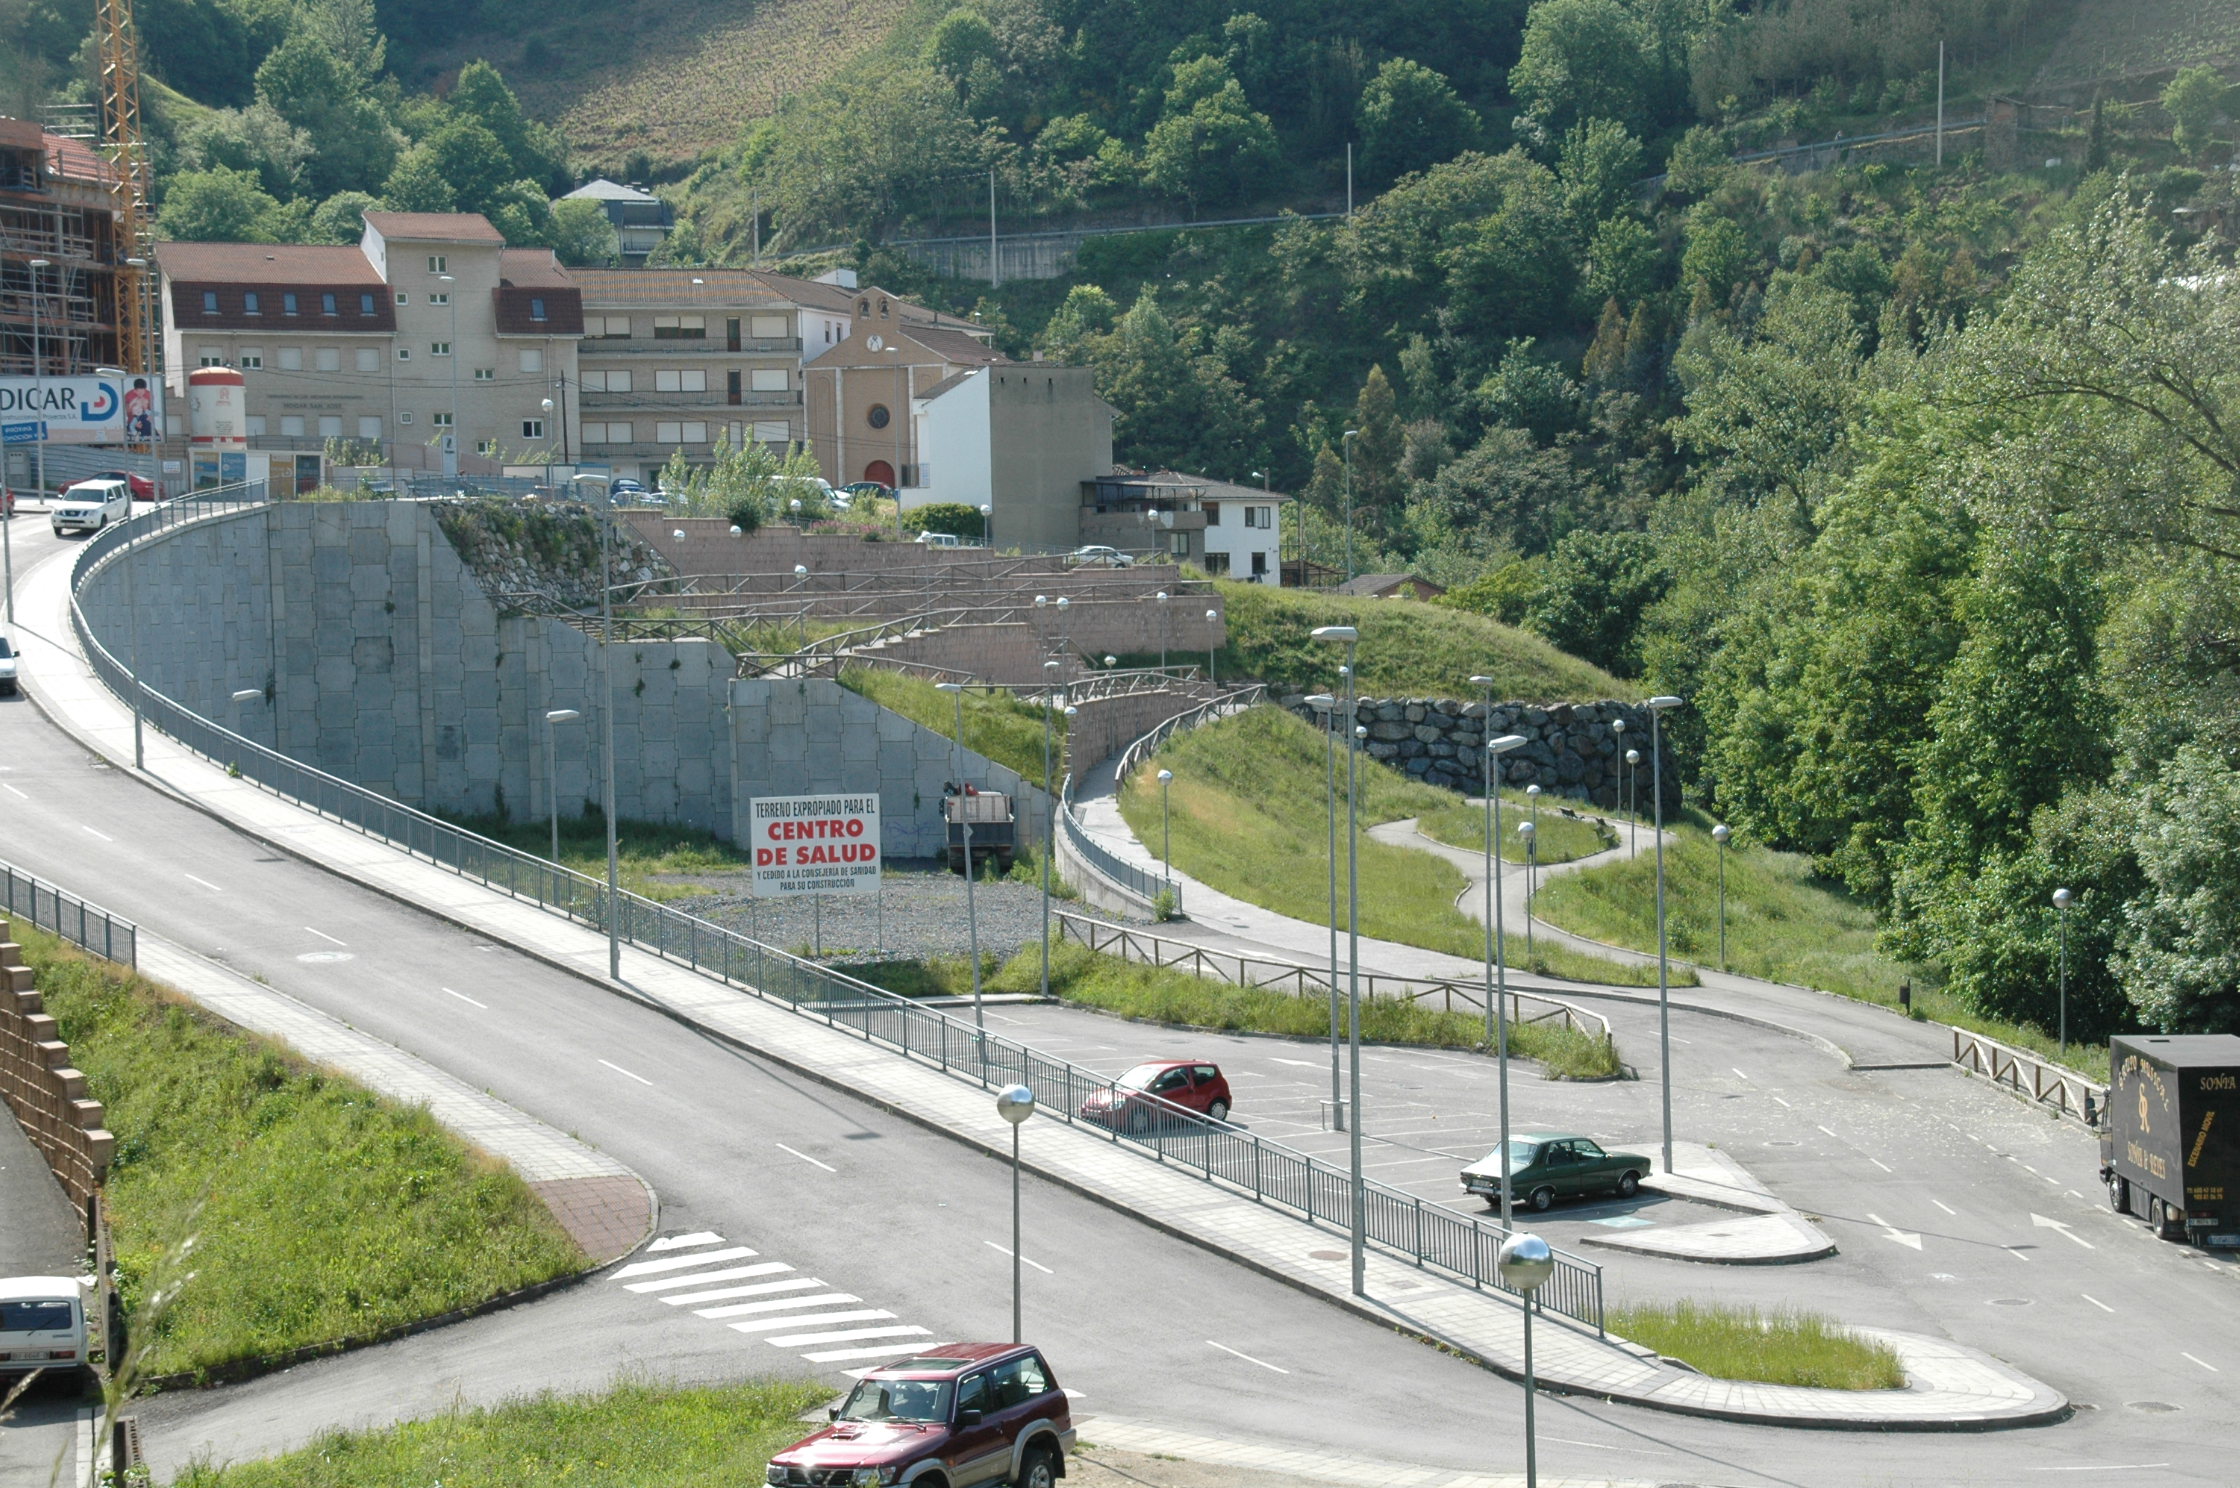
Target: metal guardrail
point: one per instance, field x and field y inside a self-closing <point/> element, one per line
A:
<point x="2027" y="1075"/>
<point x="1462" y="1245"/>
<point x="60" y="912"/>
<point x="1300" y="979"/>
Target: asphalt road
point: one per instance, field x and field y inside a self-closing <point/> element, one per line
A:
<point x="913" y="1224"/>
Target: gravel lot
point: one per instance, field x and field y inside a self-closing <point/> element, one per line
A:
<point x="921" y="912"/>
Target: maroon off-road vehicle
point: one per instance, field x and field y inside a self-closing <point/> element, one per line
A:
<point x="959" y="1415"/>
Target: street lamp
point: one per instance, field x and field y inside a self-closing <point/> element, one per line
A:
<point x="1050" y="825"/>
<point x="547" y="405"/>
<point x="1327" y="706"/>
<point x="1633" y="799"/>
<point x="2062" y="899"/>
<point x="552" y="769"/>
<point x="1161" y="596"/>
<point x="1015" y="1103"/>
<point x="801" y="615"/>
<point x="1720" y="834"/>
<point x="245" y="695"/>
<point x="1530" y="832"/>
<point x="1213" y="618"/>
<point x="1527" y="1263"/>
<point x="988" y="526"/>
<point x="1345" y="443"/>
<point x="964" y="816"/>
<point x="1497" y="967"/>
<point x="1166" y="833"/>
<point x="451" y="440"/>
<point x="1657" y="707"/>
<point x="1351" y="638"/>
<point x="606" y="720"/>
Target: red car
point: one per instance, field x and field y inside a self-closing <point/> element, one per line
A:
<point x="957" y="1415"/>
<point x="1161" y="1089"/>
<point x="143" y="489"/>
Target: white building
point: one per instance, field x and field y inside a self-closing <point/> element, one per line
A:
<point x="1018" y="438"/>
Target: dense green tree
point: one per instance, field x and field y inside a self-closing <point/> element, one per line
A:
<point x="584" y="236"/>
<point x="1211" y="146"/>
<point x="1583" y="59"/>
<point x="218" y="205"/>
<point x="341" y="218"/>
<point x="2179" y="953"/>
<point x="1178" y="404"/>
<point x="1597" y="169"/>
<point x="535" y="153"/>
<point x="865" y="149"/>
<point x="1514" y="270"/>
<point x="255" y="139"/>
<point x="417" y="185"/>
<point x="1596" y="587"/>
<point x="2193" y="99"/>
<point x="1410" y="118"/>
<point x="1380" y="445"/>
<point x="353" y="144"/>
<point x="522" y="214"/>
<point x="464" y="157"/>
<point x="958" y="41"/>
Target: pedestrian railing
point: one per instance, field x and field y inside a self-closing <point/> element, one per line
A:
<point x="1429" y="1234"/>
<point x="1298" y="979"/>
<point x="60" y="912"/>
<point x="2027" y="1075"/>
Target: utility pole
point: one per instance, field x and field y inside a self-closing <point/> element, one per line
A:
<point x="1349" y="183"/>
<point x="995" y="270"/>
<point x="1940" y="103"/>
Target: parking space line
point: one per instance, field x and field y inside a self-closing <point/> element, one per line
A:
<point x="11" y="790"/>
<point x="104" y="836"/>
<point x="2204" y="1363"/>
<point x="1264" y="1364"/>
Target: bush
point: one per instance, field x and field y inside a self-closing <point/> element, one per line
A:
<point x="952" y="517"/>
<point x="745" y="512"/>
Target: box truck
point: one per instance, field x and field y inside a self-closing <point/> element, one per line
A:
<point x="2171" y="1150"/>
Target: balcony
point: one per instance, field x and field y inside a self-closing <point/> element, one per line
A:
<point x="686" y="346"/>
<point x="650" y="402"/>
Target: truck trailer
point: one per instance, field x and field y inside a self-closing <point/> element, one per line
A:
<point x="2171" y="1150"/>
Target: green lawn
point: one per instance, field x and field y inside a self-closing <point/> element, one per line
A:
<point x="996" y="724"/>
<point x="1562" y="838"/>
<point x="636" y="1435"/>
<point x="1248" y="805"/>
<point x="646" y="852"/>
<point x="319" y="1211"/>
<point x="1783" y="1347"/>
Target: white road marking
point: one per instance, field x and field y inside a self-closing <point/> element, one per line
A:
<point x="1830" y="1133"/>
<point x="732" y="1273"/>
<point x="104" y="836"/>
<point x="680" y="1263"/>
<point x="757" y="1289"/>
<point x="323" y="935"/>
<point x="1402" y="1162"/>
<point x="1264" y="1364"/>
<point x="213" y="888"/>
<point x="1028" y="1260"/>
<point x="804" y="1340"/>
<point x="805" y="1157"/>
<point x="2095" y="1301"/>
<point x="2204" y="1363"/>
<point x="2104" y="1467"/>
<point x="831" y="1356"/>
<point x="11" y="790"/>
<point x="1603" y="1447"/>
<point x="674" y="1242"/>
<point x="1947" y="1208"/>
<point x="1295" y="1063"/>
<point x="2039" y="1221"/>
<point x="1892" y="1232"/>
<point x="1738" y="1073"/>
<point x="810" y="1318"/>
<point x="2015" y="1252"/>
<point x="1784" y="1104"/>
<point x="1878" y="1162"/>
<point x="1679" y="1040"/>
<point x="641" y="1079"/>
<point x="463" y="997"/>
<point x="782" y="1304"/>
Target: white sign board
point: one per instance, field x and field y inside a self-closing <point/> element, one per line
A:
<point x="814" y="845"/>
<point x="86" y="410"/>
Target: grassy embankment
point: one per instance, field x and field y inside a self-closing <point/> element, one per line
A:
<point x="1248" y="808"/>
<point x="1562" y="838"/>
<point x="320" y="1211"/>
<point x="996" y="724"/>
<point x="647" y="853"/>
<point x="1156" y="994"/>
<point x="634" y="1436"/>
<point x="1784" y="1347"/>
<point x="1783" y="924"/>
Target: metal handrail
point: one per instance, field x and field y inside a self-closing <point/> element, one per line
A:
<point x="60" y="912"/>
<point x="1430" y="1235"/>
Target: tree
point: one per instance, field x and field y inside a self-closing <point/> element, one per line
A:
<point x="1178" y="403"/>
<point x="216" y="206"/>
<point x="1698" y="165"/>
<point x="2179" y="953"/>
<point x="534" y="152"/>
<point x="952" y="517"/>
<point x="1714" y="260"/>
<point x="960" y="39"/>
<point x="583" y="235"/>
<point x="465" y="158"/>
<point x="255" y="139"/>
<point x="2193" y="99"/>
<point x="417" y="185"/>
<point x="1211" y="146"/>
<point x="865" y="148"/>
<point x="317" y="90"/>
<point x="341" y="218"/>
<point x="522" y="215"/>
<point x="1583" y="59"/>
<point x="1086" y="313"/>
<point x="1409" y="118"/>
<point x="1379" y="445"/>
<point x="1513" y="271"/>
<point x="1622" y="261"/>
<point x="1596" y="587"/>
<point x="1597" y="169"/>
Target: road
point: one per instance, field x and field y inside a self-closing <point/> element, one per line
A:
<point x="749" y="1156"/>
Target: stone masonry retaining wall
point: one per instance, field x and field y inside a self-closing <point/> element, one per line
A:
<point x="1573" y="752"/>
<point x="46" y="1094"/>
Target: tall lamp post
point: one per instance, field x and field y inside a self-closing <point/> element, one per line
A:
<point x="1050" y="704"/>
<point x="1530" y="832"/>
<point x="552" y="717"/>
<point x="2062" y="899"/>
<point x="1618" y="734"/>
<point x="1213" y="618"/>
<point x="606" y="718"/>
<point x="988" y="526"/>
<point x="1497" y="953"/>
<point x="1351" y="638"/>
<point x="971" y="912"/>
<point x="547" y="405"/>
<point x="1327" y="705"/>
<point x="1161" y="596"/>
<point x="1015" y="1103"/>
<point x="451" y="440"/>
<point x="1633" y="799"/>
<point x="1720" y="834"/>
<point x="1657" y="707"/>
<point x="1526" y="1263"/>
<point x="1166" y="833"/>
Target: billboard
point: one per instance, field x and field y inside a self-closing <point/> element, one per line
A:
<point x="87" y="410"/>
<point x="814" y="845"/>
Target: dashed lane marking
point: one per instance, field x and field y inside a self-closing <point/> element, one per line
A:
<point x="323" y="935"/>
<point x="104" y="836"/>
<point x="1264" y="1364"/>
<point x="2095" y="1301"/>
<point x="11" y="790"/>
<point x="463" y="997"/>
<point x="1025" y="1260"/>
<point x="618" y="1069"/>
<point x="2204" y="1363"/>
<point x="213" y="888"/>
<point x="805" y="1157"/>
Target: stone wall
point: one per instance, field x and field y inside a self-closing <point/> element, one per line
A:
<point x="38" y="1084"/>
<point x="1572" y="752"/>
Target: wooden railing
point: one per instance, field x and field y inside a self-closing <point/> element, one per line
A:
<point x="2027" y="1075"/>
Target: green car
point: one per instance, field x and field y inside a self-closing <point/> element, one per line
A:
<point x="1546" y="1166"/>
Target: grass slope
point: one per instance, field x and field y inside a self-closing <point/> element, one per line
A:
<point x="1407" y="649"/>
<point x="1562" y="838"/>
<point x="1248" y="806"/>
<point x="637" y="1435"/>
<point x="996" y="724"/>
<point x="320" y="1211"/>
<point x="647" y="853"/>
<point x="1783" y="1347"/>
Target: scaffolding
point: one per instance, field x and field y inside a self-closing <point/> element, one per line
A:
<point x="56" y="204"/>
<point x="132" y="285"/>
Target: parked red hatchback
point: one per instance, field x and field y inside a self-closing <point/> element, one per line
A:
<point x="957" y="1415"/>
<point x="1161" y="1089"/>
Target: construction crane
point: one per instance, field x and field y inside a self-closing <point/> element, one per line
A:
<point x="127" y="152"/>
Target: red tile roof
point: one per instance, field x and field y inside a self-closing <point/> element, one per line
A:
<point x="266" y="263"/>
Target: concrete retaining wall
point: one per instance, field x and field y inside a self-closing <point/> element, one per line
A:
<point x="46" y="1094"/>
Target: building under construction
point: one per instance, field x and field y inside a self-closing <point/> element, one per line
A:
<point x="58" y="202"/>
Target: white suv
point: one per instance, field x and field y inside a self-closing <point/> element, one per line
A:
<point x="91" y="505"/>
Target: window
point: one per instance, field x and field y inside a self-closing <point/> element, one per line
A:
<point x="532" y="360"/>
<point x="403" y="298"/>
<point x="878" y="417"/>
<point x="253" y="425"/>
<point x="1018" y="1382"/>
<point x="252" y="304"/>
<point x="1217" y="564"/>
<point x="1179" y="544"/>
<point x="1213" y="514"/>
<point x="486" y="447"/>
<point x="328" y="359"/>
<point x="772" y="433"/>
<point x="607" y="382"/>
<point x="532" y="428"/>
<point x="369" y="428"/>
<point x="689" y="431"/>
<point x="441" y="420"/>
<point x="365" y="304"/>
<point x="731" y="388"/>
<point x="770" y="327"/>
<point x="330" y="426"/>
<point x="680" y="380"/>
<point x="439" y="348"/>
<point x="607" y="327"/>
<point x="770" y="379"/>
<point x="435" y="263"/>
<point x="1259" y="516"/>
<point x="405" y="417"/>
<point x="404" y="353"/>
<point x="252" y="357"/>
<point x="291" y="359"/>
<point x="828" y="333"/>
<point x="536" y="307"/>
<point x="1259" y="565"/>
<point x="679" y="327"/>
<point x="327" y="305"/>
<point x="608" y="433"/>
<point x="369" y="359"/>
<point x="288" y="302"/>
<point x="212" y="356"/>
<point x="209" y="302"/>
<point x="439" y="298"/>
<point x="291" y="426"/>
<point x="973" y="1394"/>
<point x="485" y="374"/>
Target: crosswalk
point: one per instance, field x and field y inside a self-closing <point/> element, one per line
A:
<point x="766" y="1300"/>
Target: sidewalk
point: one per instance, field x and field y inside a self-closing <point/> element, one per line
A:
<point x="1949" y="1387"/>
<point x="1101" y="1435"/>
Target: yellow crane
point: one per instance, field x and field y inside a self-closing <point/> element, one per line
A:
<point x="127" y="152"/>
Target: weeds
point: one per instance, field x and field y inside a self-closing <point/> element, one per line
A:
<point x="1781" y="1347"/>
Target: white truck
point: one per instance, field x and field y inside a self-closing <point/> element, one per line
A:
<point x="90" y="506"/>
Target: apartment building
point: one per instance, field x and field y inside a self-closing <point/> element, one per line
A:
<point x="1230" y="531"/>
<point x="430" y="338"/>
<point x="642" y="221"/>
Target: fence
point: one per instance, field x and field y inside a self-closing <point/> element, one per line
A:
<point x="1301" y="980"/>
<point x="60" y="912"/>
<point x="1462" y="1245"/>
<point x="2027" y="1075"/>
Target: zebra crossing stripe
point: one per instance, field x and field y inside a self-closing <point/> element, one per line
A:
<point x="742" y="1309"/>
<point x="811" y="1320"/>
<point x="681" y="1263"/>
<point x="803" y="1340"/>
<point x="680" y="1242"/>
<point x="734" y="1273"/>
<point x="759" y="1289"/>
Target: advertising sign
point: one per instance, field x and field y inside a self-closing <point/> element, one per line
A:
<point x="30" y="431"/>
<point x="86" y="410"/>
<point x="814" y="845"/>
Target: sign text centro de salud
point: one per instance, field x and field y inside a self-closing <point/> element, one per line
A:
<point x="815" y="845"/>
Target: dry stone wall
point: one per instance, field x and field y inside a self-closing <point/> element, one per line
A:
<point x="1573" y="750"/>
<point x="38" y="1083"/>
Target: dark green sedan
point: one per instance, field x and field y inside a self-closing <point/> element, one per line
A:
<point x="1546" y="1166"/>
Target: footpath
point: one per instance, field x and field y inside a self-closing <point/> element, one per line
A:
<point x="1949" y="1387"/>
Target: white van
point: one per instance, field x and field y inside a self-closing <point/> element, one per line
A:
<point x="90" y="506"/>
<point x="940" y="540"/>
<point x="42" y="1325"/>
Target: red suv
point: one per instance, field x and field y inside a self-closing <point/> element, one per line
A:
<point x="1161" y="1090"/>
<point x="958" y="1415"/>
